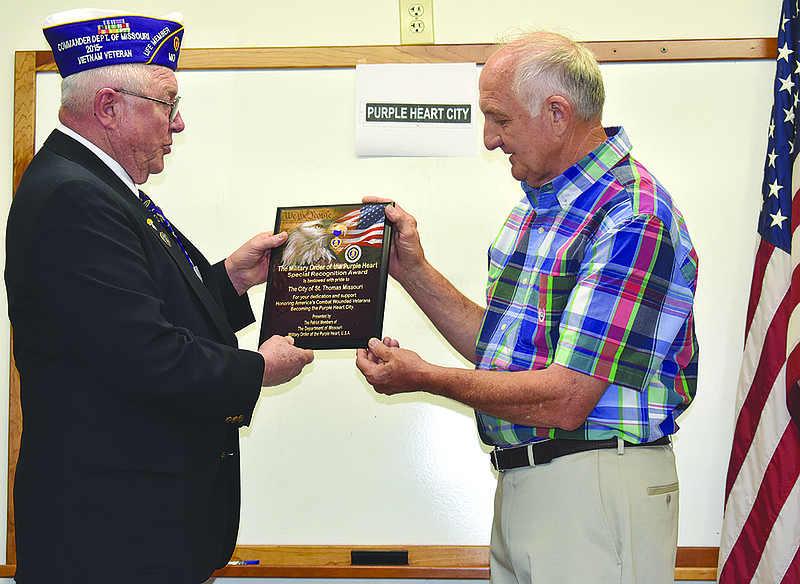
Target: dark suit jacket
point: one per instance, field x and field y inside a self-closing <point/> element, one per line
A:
<point x="132" y="385"/>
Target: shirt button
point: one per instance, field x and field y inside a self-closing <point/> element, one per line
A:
<point x="502" y="327"/>
<point x="541" y="230"/>
<point x="525" y="281"/>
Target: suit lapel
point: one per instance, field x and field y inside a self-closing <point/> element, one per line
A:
<point x="213" y="306"/>
<point x="73" y="150"/>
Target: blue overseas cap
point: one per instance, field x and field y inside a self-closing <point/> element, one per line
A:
<point x="86" y="38"/>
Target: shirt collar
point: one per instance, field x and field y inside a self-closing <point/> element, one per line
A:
<point x="110" y="162"/>
<point x="580" y="176"/>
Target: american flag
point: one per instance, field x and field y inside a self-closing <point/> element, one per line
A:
<point x="760" y="540"/>
<point x="364" y="226"/>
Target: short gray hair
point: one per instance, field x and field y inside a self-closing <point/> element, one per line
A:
<point x="548" y="63"/>
<point x="78" y="90"/>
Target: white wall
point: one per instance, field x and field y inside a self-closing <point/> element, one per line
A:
<point x="700" y="127"/>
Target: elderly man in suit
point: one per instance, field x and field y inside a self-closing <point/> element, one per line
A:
<point x="132" y="384"/>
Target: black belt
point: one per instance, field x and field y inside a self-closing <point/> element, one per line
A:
<point x="543" y="452"/>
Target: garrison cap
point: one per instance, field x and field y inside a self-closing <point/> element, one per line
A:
<point x="86" y="38"/>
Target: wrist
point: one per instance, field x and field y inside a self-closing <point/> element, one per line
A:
<point x="236" y="281"/>
<point x="416" y="279"/>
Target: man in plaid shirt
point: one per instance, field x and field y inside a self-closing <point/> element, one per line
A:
<point x="586" y="352"/>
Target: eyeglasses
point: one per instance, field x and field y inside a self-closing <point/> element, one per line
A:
<point x="173" y="106"/>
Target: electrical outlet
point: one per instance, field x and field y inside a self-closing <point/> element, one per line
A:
<point x="416" y="22"/>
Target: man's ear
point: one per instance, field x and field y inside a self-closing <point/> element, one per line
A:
<point x="106" y="106"/>
<point x="559" y="112"/>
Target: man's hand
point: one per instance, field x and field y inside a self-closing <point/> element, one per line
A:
<point x="388" y="368"/>
<point x="406" y="256"/>
<point x="283" y="361"/>
<point x="248" y="265"/>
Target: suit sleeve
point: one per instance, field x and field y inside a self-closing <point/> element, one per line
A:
<point x="237" y="308"/>
<point x="118" y="305"/>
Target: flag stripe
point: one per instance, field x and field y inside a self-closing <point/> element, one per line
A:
<point x="769" y="363"/>
<point x="776" y="486"/>
<point x="793" y="360"/>
<point x="763" y="257"/>
<point x="372" y="236"/>
<point x="792" y="575"/>
<point x="745" y="489"/>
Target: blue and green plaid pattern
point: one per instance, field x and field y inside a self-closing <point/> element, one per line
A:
<point x="595" y="271"/>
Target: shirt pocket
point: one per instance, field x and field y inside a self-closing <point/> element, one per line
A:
<point x="546" y="304"/>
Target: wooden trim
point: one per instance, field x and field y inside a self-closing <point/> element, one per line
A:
<point x="696" y="563"/>
<point x="424" y="562"/>
<point x="693" y="563"/>
<point x="686" y="50"/>
<point x="24" y="146"/>
<point x="328" y="57"/>
<point x="431" y="563"/>
<point x="24" y="112"/>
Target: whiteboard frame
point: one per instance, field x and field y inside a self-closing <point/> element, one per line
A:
<point x="425" y="562"/>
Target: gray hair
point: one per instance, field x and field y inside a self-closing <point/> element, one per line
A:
<point x="548" y="63"/>
<point x="78" y="90"/>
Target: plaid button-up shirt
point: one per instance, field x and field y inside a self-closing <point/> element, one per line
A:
<point x="595" y="271"/>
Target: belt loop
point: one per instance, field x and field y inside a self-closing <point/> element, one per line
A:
<point x="531" y="461"/>
<point x="620" y="446"/>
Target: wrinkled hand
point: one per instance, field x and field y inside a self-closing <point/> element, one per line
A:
<point x="388" y="368"/>
<point x="406" y="256"/>
<point x="283" y="361"/>
<point x="248" y="265"/>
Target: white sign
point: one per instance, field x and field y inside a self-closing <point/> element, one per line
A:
<point x="427" y="109"/>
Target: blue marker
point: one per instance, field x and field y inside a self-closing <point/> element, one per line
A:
<point x="243" y="563"/>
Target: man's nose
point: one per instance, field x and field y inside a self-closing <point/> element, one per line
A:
<point x="178" y="124"/>
<point x="491" y="139"/>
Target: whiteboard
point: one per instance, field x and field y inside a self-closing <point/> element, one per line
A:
<point x="326" y="460"/>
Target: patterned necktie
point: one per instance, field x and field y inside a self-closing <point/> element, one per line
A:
<point x="156" y="211"/>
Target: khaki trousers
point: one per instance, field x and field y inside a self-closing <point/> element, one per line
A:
<point x="597" y="517"/>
